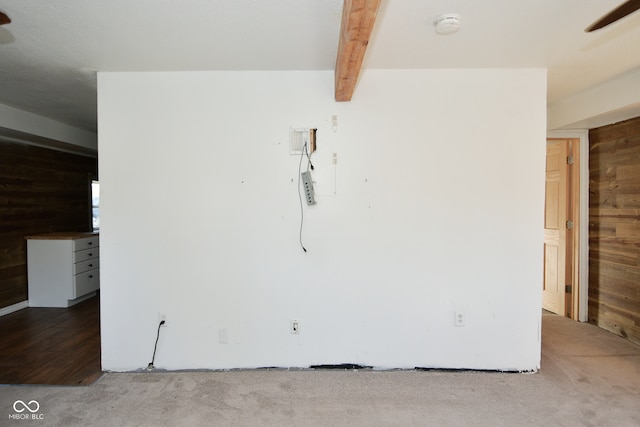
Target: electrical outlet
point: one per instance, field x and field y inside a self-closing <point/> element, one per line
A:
<point x="295" y="327"/>
<point x="460" y="318"/>
<point x="162" y="318"/>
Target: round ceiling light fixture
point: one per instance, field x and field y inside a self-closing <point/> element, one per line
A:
<point x="448" y="23"/>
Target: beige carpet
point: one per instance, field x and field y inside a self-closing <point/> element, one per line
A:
<point x="589" y="377"/>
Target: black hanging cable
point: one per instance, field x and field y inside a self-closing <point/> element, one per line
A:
<point x="150" y="365"/>
<point x="300" y="196"/>
<point x="306" y="151"/>
<point x="303" y="153"/>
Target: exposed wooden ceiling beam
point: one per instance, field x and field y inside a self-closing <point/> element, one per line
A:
<point x="358" y="18"/>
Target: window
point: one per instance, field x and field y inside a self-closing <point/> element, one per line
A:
<point x="95" y="205"/>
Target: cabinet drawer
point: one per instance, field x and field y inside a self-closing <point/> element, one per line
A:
<point x="81" y="267"/>
<point x="86" y="243"/>
<point x="86" y="282"/>
<point x="85" y="255"/>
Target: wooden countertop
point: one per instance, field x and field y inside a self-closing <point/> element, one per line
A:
<point x="65" y="235"/>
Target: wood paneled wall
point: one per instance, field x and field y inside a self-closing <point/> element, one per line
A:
<point x="614" y="228"/>
<point x="41" y="191"/>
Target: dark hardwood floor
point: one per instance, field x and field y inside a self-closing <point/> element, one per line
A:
<point x="52" y="346"/>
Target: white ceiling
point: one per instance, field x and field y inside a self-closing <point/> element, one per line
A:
<point x="51" y="51"/>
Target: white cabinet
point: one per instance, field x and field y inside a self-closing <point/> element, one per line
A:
<point x="63" y="268"/>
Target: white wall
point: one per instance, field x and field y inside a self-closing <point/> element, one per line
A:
<point x="439" y="192"/>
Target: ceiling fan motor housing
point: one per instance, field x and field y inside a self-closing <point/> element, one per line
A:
<point x="4" y="19"/>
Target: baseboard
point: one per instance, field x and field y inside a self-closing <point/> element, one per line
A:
<point x="15" y="307"/>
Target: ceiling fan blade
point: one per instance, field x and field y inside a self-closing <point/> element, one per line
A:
<point x="620" y="12"/>
<point x="4" y="19"/>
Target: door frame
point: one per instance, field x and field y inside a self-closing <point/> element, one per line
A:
<point x="580" y="188"/>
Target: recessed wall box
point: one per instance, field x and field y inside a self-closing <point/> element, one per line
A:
<point x="299" y="137"/>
